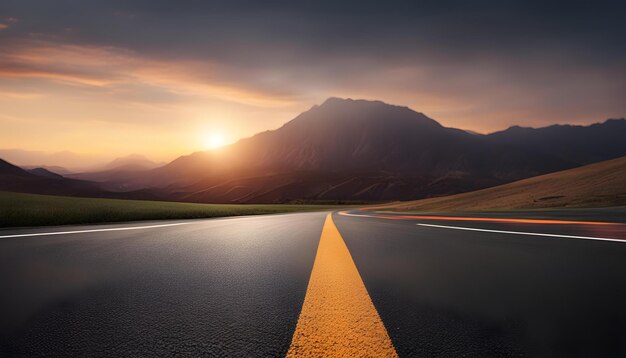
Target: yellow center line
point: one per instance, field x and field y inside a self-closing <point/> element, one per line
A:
<point x="338" y="318"/>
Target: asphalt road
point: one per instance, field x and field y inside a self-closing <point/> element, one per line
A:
<point x="236" y="286"/>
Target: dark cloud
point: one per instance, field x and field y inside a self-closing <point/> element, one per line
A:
<point x="229" y="28"/>
<point x="547" y="59"/>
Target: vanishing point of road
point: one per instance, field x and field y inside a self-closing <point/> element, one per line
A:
<point x="316" y="284"/>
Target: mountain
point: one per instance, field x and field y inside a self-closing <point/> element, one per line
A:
<point x="41" y="181"/>
<point x="131" y="162"/>
<point x="30" y="158"/>
<point x="42" y="172"/>
<point x="51" y="168"/>
<point x="13" y="178"/>
<point x="575" y="144"/>
<point x="578" y="187"/>
<point x="360" y="150"/>
<point x="116" y="175"/>
<point x="8" y="169"/>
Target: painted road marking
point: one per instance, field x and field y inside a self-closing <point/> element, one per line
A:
<point x="338" y="317"/>
<point x="380" y="215"/>
<point x="523" y="233"/>
<point x="195" y="221"/>
<point x="346" y="213"/>
<point x="93" y="230"/>
<point x="497" y="220"/>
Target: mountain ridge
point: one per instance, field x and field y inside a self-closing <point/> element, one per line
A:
<point x="345" y="140"/>
<point x="359" y="150"/>
<point x="16" y="179"/>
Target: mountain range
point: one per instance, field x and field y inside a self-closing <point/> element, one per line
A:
<point x="115" y="175"/>
<point x="363" y="151"/>
<point x="66" y="161"/>
<point x="43" y="181"/>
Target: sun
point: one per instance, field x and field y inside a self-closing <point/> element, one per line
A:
<point x="214" y="141"/>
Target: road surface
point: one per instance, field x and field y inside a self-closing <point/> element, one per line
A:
<point x="303" y="284"/>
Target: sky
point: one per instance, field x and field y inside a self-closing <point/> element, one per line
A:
<point x="166" y="78"/>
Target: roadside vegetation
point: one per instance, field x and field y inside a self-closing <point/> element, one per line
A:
<point x="19" y="209"/>
<point x="595" y="185"/>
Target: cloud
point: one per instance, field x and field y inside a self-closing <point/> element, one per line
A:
<point x="7" y="22"/>
<point x="481" y="65"/>
<point x="122" y="71"/>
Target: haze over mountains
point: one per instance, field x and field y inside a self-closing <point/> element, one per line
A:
<point x="64" y="161"/>
<point x="42" y="181"/>
<point x="356" y="150"/>
<point x="114" y="175"/>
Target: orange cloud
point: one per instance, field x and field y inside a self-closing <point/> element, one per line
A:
<point x="110" y="101"/>
<point x="19" y="95"/>
<point x="109" y="66"/>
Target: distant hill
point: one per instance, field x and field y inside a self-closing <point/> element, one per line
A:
<point x="13" y="178"/>
<point x="41" y="181"/>
<point x="575" y="144"/>
<point x="51" y="168"/>
<point x="68" y="160"/>
<point x="42" y="172"/>
<point x="8" y="169"/>
<point x="117" y="174"/>
<point x="362" y="150"/>
<point x="594" y="185"/>
<point x="131" y="162"/>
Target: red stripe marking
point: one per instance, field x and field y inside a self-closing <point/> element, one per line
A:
<point x="487" y="219"/>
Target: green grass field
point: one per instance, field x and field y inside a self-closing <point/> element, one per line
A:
<point x="18" y="209"/>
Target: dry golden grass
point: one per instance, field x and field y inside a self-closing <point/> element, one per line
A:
<point x="596" y="185"/>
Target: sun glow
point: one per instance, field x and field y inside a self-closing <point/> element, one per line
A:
<point x="214" y="141"/>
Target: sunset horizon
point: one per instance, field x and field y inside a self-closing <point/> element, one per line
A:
<point x="208" y="140"/>
<point x="130" y="78"/>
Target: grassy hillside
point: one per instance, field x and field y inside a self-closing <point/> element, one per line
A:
<point x="597" y="185"/>
<point x="18" y="209"/>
